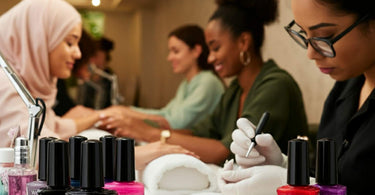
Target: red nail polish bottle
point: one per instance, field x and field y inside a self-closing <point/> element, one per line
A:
<point x="298" y="170"/>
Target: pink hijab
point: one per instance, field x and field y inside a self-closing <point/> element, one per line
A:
<point x="29" y="32"/>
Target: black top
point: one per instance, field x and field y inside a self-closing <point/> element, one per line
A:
<point x="354" y="133"/>
<point x="63" y="100"/>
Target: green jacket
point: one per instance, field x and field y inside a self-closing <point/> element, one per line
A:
<point x="275" y="91"/>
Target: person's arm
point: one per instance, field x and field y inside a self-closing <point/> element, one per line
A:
<point x="126" y="112"/>
<point x="146" y="153"/>
<point x="209" y="150"/>
<point x="199" y="100"/>
<point x="83" y="117"/>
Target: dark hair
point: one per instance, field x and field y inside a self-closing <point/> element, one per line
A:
<point x="358" y="7"/>
<point x="240" y="16"/>
<point x="193" y="35"/>
<point x="106" y="45"/>
<point x="88" y="48"/>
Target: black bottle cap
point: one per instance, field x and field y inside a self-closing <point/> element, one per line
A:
<point x="92" y="164"/>
<point x="125" y="168"/>
<point x="298" y="162"/>
<point x="58" y="164"/>
<point x="43" y="156"/>
<point x="326" y="171"/>
<point x="75" y="156"/>
<point x="109" y="157"/>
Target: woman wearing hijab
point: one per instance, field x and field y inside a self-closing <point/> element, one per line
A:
<point x="40" y="41"/>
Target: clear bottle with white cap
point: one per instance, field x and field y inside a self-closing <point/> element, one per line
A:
<point x="6" y="162"/>
<point x="22" y="173"/>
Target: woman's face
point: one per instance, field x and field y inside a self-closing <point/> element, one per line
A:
<point x="354" y="51"/>
<point x="63" y="57"/>
<point x="181" y="56"/>
<point x="224" y="50"/>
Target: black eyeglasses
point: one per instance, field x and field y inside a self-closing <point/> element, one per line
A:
<point x="322" y="45"/>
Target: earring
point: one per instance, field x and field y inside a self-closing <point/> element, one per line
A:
<point x="245" y="58"/>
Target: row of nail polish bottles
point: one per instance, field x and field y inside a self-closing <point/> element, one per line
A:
<point x="118" y="164"/>
<point x="86" y="167"/>
<point x="54" y="176"/>
<point x="298" y="170"/>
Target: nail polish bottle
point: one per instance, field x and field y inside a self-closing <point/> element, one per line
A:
<point x="109" y="151"/>
<point x="58" y="180"/>
<point x="298" y="170"/>
<point x="92" y="180"/>
<point x="326" y="170"/>
<point x="33" y="187"/>
<point x="125" y="183"/>
<point x="75" y="159"/>
<point x="6" y="163"/>
<point x="22" y="173"/>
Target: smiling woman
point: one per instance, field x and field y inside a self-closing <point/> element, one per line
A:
<point x="234" y="35"/>
<point x="41" y="43"/>
<point x="197" y="95"/>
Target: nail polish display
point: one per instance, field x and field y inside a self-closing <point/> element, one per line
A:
<point x="125" y="183"/>
<point x="34" y="186"/>
<point x="326" y="170"/>
<point x="6" y="162"/>
<point x="58" y="180"/>
<point x="21" y="173"/>
<point x="109" y="156"/>
<point x="298" y="170"/>
<point x="92" y="180"/>
<point x="75" y="159"/>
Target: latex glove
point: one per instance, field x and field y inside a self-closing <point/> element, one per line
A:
<point x="251" y="181"/>
<point x="266" y="152"/>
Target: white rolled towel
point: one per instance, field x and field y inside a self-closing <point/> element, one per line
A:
<point x="178" y="174"/>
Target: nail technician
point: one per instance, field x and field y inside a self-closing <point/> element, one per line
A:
<point x="340" y="37"/>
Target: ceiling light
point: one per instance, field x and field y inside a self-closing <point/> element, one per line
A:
<point x="95" y="3"/>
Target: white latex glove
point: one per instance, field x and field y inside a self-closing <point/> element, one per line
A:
<point x="251" y="181"/>
<point x="266" y="152"/>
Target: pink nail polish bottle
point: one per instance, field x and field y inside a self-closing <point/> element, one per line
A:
<point x="125" y="183"/>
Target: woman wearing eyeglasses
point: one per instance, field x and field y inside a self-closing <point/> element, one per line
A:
<point x="340" y="37"/>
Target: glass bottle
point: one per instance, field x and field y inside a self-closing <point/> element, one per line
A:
<point x="22" y="173"/>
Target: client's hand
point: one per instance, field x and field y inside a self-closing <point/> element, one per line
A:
<point x="266" y="152"/>
<point x="255" y="180"/>
<point x="146" y="153"/>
